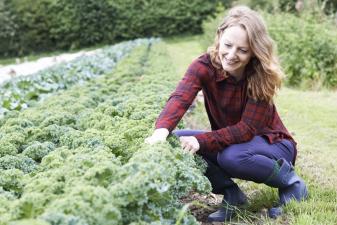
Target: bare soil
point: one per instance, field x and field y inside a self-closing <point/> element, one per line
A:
<point x="205" y="204"/>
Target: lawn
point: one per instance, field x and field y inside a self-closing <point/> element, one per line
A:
<point x="311" y="117"/>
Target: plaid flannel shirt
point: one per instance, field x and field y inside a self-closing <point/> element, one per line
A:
<point x="234" y="117"/>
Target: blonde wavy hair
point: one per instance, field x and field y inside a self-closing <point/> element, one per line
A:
<point x="264" y="72"/>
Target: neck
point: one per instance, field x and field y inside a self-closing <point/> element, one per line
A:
<point x="238" y="75"/>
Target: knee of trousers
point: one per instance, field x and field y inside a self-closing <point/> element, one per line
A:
<point x="186" y="132"/>
<point x="233" y="162"/>
<point x="177" y="133"/>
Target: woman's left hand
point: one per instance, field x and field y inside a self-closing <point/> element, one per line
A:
<point x="189" y="144"/>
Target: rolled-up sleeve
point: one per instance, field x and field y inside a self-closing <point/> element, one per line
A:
<point x="181" y="99"/>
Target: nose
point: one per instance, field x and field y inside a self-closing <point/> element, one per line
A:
<point x="231" y="53"/>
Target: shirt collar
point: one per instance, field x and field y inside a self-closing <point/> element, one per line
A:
<point x="221" y="76"/>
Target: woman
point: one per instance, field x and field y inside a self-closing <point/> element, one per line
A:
<point x="239" y="75"/>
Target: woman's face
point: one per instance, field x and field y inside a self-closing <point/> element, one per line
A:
<point x="234" y="51"/>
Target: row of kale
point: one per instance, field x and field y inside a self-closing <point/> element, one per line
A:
<point x="90" y="165"/>
<point x="22" y="92"/>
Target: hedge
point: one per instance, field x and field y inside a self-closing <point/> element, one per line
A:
<point x="42" y="25"/>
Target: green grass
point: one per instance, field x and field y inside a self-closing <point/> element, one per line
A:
<point x="312" y="119"/>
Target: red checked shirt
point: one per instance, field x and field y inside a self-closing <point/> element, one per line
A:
<point x="234" y="117"/>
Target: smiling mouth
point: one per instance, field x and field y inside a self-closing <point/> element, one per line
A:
<point x="229" y="62"/>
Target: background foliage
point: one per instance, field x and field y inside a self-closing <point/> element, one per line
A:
<point x="8" y="28"/>
<point x="307" y="47"/>
<point x="42" y="25"/>
<point x="328" y="6"/>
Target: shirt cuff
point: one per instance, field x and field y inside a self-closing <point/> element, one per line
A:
<point x="163" y="125"/>
<point x="202" y="139"/>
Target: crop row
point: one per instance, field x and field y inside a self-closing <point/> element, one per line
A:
<point x="23" y="91"/>
<point x="79" y="157"/>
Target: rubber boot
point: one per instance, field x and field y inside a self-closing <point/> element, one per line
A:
<point x="222" y="184"/>
<point x="233" y="197"/>
<point x="290" y="186"/>
<point x="217" y="177"/>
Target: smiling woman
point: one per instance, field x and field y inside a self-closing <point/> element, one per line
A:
<point x="239" y="76"/>
<point x="247" y="29"/>
<point x="234" y="51"/>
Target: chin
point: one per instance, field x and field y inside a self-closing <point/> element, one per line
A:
<point x="228" y="69"/>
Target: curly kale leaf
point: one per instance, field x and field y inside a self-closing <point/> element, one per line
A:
<point x="38" y="150"/>
<point x="7" y="148"/>
<point x="11" y="180"/>
<point x="21" y="162"/>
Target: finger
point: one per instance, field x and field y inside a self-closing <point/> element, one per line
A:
<point x="183" y="142"/>
<point x="187" y="148"/>
<point x="184" y="146"/>
<point x="191" y="149"/>
<point x="194" y="150"/>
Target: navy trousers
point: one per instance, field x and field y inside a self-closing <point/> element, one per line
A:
<point x="253" y="160"/>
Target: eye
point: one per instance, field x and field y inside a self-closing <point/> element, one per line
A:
<point x="228" y="45"/>
<point x="243" y="50"/>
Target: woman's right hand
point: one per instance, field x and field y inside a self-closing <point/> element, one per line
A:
<point x="159" y="135"/>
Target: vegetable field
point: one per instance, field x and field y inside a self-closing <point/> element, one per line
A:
<point x="23" y="91"/>
<point x="72" y="146"/>
<point x="75" y="154"/>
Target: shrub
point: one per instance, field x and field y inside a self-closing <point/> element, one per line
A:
<point x="42" y="25"/>
<point x="8" y="28"/>
<point x="81" y="23"/>
<point x="162" y="18"/>
<point x="33" y="22"/>
<point x="307" y="49"/>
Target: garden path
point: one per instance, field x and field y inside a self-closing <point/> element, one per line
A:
<point x="23" y="69"/>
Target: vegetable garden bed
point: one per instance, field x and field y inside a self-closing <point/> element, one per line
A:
<point x="78" y="157"/>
